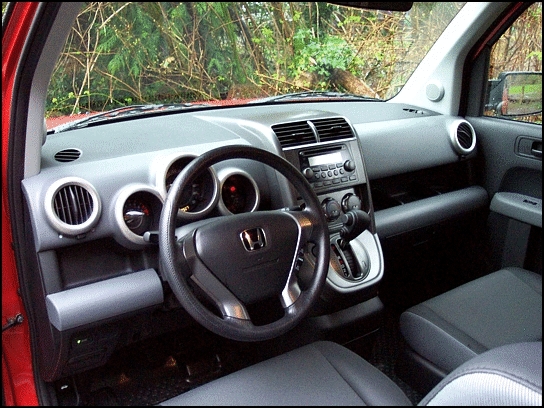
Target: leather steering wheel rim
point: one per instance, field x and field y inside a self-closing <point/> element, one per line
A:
<point x="180" y="260"/>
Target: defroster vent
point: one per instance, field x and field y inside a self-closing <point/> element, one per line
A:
<point x="67" y="155"/>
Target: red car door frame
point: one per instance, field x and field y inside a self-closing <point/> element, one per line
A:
<point x="18" y="382"/>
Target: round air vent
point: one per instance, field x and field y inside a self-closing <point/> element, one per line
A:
<point x="67" y="155"/>
<point x="72" y="206"/>
<point x="463" y="137"/>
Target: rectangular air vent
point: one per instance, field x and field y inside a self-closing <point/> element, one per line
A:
<point x="332" y="129"/>
<point x="294" y="134"/>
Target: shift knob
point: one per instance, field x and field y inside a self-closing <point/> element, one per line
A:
<point x="355" y="222"/>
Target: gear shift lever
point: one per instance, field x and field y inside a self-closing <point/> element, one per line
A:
<point x="355" y="222"/>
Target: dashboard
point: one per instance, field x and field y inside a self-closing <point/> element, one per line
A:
<point x="97" y="202"/>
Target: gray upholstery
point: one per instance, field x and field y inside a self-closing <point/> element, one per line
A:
<point x="501" y="308"/>
<point x="325" y="373"/>
<point x="322" y="373"/>
<point x="507" y="375"/>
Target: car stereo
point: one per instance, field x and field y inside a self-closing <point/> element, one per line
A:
<point x="328" y="166"/>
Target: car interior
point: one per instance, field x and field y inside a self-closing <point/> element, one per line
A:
<point x="305" y="252"/>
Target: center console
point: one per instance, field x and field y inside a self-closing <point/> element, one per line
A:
<point x="335" y="168"/>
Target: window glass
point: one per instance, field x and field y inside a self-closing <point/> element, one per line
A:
<point x="515" y="70"/>
<point x="229" y="53"/>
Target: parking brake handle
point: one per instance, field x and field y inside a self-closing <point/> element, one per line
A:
<point x="355" y="223"/>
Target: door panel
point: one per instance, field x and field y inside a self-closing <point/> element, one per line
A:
<point x="511" y="165"/>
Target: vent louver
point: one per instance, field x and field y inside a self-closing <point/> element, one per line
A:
<point x="72" y="206"/>
<point x="294" y="134"/>
<point x="463" y="137"/>
<point x="300" y="133"/>
<point x="67" y="155"/>
<point x="332" y="129"/>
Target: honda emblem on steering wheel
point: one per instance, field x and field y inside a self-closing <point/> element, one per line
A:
<point x="253" y="239"/>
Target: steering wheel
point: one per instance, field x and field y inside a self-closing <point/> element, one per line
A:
<point x="240" y="259"/>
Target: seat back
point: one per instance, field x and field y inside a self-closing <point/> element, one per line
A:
<point x="507" y="375"/>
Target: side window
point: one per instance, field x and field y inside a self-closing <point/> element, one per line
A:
<point x="515" y="70"/>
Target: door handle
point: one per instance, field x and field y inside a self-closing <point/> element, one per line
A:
<point x="536" y="149"/>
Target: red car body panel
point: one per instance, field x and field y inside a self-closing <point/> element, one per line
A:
<point x="17" y="371"/>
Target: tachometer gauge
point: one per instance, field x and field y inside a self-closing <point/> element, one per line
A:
<point x="137" y="215"/>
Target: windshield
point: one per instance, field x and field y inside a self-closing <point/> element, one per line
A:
<point x="232" y="53"/>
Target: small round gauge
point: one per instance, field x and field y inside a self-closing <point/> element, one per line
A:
<point x="239" y="194"/>
<point x="234" y="196"/>
<point x="196" y="197"/>
<point x="137" y="215"/>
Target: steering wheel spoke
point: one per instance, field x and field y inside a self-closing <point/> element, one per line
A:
<point x="226" y="302"/>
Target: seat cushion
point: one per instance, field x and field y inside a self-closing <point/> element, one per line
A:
<point x="321" y="373"/>
<point x="501" y="308"/>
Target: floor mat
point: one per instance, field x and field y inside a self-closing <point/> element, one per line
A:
<point x="153" y="371"/>
<point x="150" y="372"/>
<point x="388" y="344"/>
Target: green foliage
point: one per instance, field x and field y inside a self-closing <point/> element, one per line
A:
<point x="124" y="53"/>
<point x="320" y="55"/>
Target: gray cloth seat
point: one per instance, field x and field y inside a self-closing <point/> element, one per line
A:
<point x="325" y="373"/>
<point x="501" y="308"/>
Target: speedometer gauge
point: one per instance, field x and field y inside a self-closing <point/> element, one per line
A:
<point x="198" y="197"/>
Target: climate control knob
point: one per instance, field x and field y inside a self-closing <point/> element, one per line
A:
<point x="331" y="208"/>
<point x="351" y="202"/>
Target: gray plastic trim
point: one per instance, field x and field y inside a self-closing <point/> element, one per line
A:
<point x="101" y="300"/>
<point x="519" y="207"/>
<point x="429" y="211"/>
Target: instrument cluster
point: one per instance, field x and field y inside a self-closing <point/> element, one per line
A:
<point x="230" y="190"/>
